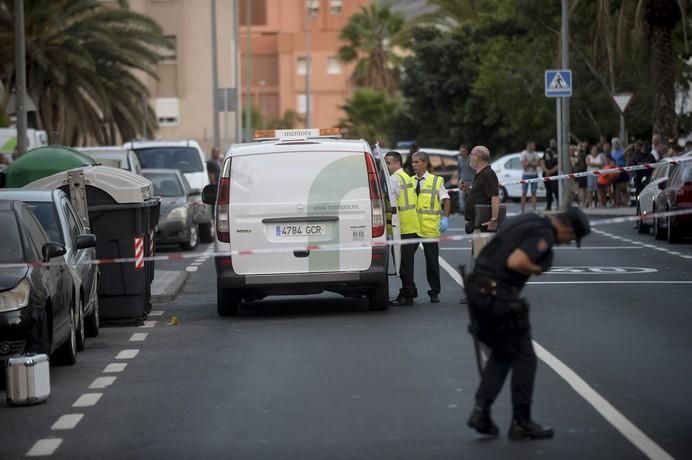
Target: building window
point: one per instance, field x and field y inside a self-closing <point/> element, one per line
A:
<point x="167" y="111"/>
<point x="302" y="66"/>
<point x="169" y="55"/>
<point x="301" y="103"/>
<point x="333" y="65"/>
<point x="335" y="7"/>
<point x="313" y="7"/>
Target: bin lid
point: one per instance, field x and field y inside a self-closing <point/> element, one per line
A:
<point x="123" y="186"/>
<point x="44" y="161"/>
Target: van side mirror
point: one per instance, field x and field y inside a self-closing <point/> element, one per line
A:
<point x="209" y="194"/>
<point x="86" y="240"/>
<point x="51" y="250"/>
<point x="663" y="184"/>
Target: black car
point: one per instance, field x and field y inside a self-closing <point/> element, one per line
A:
<point x="37" y="313"/>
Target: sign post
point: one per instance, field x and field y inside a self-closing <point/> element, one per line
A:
<point x="622" y="99"/>
<point x="558" y="84"/>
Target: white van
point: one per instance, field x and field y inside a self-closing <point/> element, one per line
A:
<point x="280" y="201"/>
<point x="115" y="157"/>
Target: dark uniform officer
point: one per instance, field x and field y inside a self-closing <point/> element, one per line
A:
<point x="500" y="317"/>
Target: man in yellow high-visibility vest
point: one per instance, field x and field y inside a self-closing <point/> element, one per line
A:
<point x="403" y="188"/>
<point x="433" y="207"/>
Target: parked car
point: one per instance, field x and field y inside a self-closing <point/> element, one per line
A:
<point x="115" y="157"/>
<point x="37" y="308"/>
<point x="62" y="224"/>
<point x="300" y="189"/>
<point x="676" y="195"/>
<point x="508" y="169"/>
<point x="188" y="158"/>
<point x="179" y="215"/>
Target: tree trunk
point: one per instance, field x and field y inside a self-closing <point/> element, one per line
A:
<point x="662" y="16"/>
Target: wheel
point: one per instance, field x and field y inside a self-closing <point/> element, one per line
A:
<point x="206" y="233"/>
<point x="379" y="296"/>
<point x="91" y="324"/>
<point x="192" y="239"/>
<point x="503" y="195"/>
<point x="67" y="353"/>
<point x="45" y="333"/>
<point x="81" y="331"/>
<point x="672" y="233"/>
<point x="658" y="231"/>
<point x="641" y="226"/>
<point x="226" y="303"/>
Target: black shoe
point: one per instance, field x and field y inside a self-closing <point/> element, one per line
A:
<point x="529" y="430"/>
<point x="434" y="298"/>
<point x="480" y="421"/>
<point x="401" y="302"/>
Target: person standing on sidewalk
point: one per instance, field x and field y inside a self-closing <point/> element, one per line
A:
<point x="549" y="167"/>
<point x="500" y="317"/>
<point x="465" y="175"/>
<point x="432" y="207"/>
<point x="485" y="190"/>
<point x="529" y="163"/>
<point x="403" y="188"/>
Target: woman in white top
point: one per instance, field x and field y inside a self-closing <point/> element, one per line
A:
<point x="594" y="160"/>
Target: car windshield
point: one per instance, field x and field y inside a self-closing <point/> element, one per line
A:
<point x="184" y="159"/>
<point x="48" y="217"/>
<point x="10" y="242"/>
<point x="165" y="184"/>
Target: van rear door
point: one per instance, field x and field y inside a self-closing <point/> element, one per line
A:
<point x="301" y="196"/>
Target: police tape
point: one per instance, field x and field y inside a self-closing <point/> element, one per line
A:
<point x="355" y="246"/>
<point x="598" y="172"/>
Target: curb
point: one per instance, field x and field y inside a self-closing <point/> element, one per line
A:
<point x="168" y="285"/>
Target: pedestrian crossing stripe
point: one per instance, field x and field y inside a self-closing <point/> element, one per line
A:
<point x="558" y="83"/>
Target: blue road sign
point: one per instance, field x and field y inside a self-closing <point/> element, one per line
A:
<point x="558" y="83"/>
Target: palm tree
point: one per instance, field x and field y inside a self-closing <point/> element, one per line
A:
<point x="81" y="59"/>
<point x="371" y="37"/>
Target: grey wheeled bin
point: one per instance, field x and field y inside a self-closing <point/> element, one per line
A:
<point x="123" y="214"/>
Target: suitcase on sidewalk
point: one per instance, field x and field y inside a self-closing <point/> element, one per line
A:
<point x="27" y="379"/>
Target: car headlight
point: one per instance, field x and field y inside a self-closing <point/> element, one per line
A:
<point x="178" y="213"/>
<point x="15" y="298"/>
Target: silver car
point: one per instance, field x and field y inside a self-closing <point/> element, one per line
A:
<point x="63" y="225"/>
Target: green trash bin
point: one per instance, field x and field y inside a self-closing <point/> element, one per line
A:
<point x="42" y="162"/>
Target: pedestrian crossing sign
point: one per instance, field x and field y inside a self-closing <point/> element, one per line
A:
<point x="558" y="83"/>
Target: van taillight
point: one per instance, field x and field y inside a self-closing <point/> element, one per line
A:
<point x="222" y="201"/>
<point x="375" y="198"/>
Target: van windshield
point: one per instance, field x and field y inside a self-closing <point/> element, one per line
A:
<point x="11" y="250"/>
<point x="184" y="159"/>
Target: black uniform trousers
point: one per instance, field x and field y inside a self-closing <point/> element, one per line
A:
<point x="408" y="286"/>
<point x="432" y="266"/>
<point x="551" y="190"/>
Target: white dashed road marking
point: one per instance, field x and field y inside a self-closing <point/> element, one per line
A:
<point x="44" y="447"/>
<point x="191" y="269"/>
<point x="115" y="367"/>
<point x="645" y="245"/>
<point x="67" y="422"/>
<point x="148" y="324"/>
<point x="127" y="354"/>
<point x="87" y="400"/>
<point x="102" y="382"/>
<point x="156" y="313"/>
<point x="139" y="337"/>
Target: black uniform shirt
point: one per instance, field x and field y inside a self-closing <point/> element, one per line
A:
<point x="485" y="186"/>
<point x="532" y="234"/>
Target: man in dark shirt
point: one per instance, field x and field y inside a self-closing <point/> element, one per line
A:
<point x="485" y="190"/>
<point x="500" y="317"/>
<point x="549" y="167"/>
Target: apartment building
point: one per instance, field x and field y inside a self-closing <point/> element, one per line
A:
<point x="283" y="35"/>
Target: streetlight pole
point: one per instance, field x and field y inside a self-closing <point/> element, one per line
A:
<point x="308" y="63"/>
<point x="214" y="77"/>
<point x="20" y="76"/>
<point x="236" y="70"/>
<point x="563" y="157"/>
<point x="248" y="75"/>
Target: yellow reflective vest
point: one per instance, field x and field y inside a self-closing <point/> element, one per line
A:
<point x="406" y="204"/>
<point x="428" y="206"/>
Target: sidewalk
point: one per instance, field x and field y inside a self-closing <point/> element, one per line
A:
<point x="167" y="284"/>
<point x="629" y="211"/>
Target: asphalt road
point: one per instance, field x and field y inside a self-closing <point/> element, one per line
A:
<point x="321" y="377"/>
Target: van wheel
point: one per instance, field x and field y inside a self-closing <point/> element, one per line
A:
<point x="206" y="233"/>
<point x="226" y="303"/>
<point x="658" y="231"/>
<point x="503" y="195"/>
<point x="641" y="226"/>
<point x="673" y="236"/>
<point x="379" y="296"/>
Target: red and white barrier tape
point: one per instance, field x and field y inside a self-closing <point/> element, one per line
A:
<point x="327" y="247"/>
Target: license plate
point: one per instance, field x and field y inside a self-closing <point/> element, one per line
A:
<point x="291" y="230"/>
